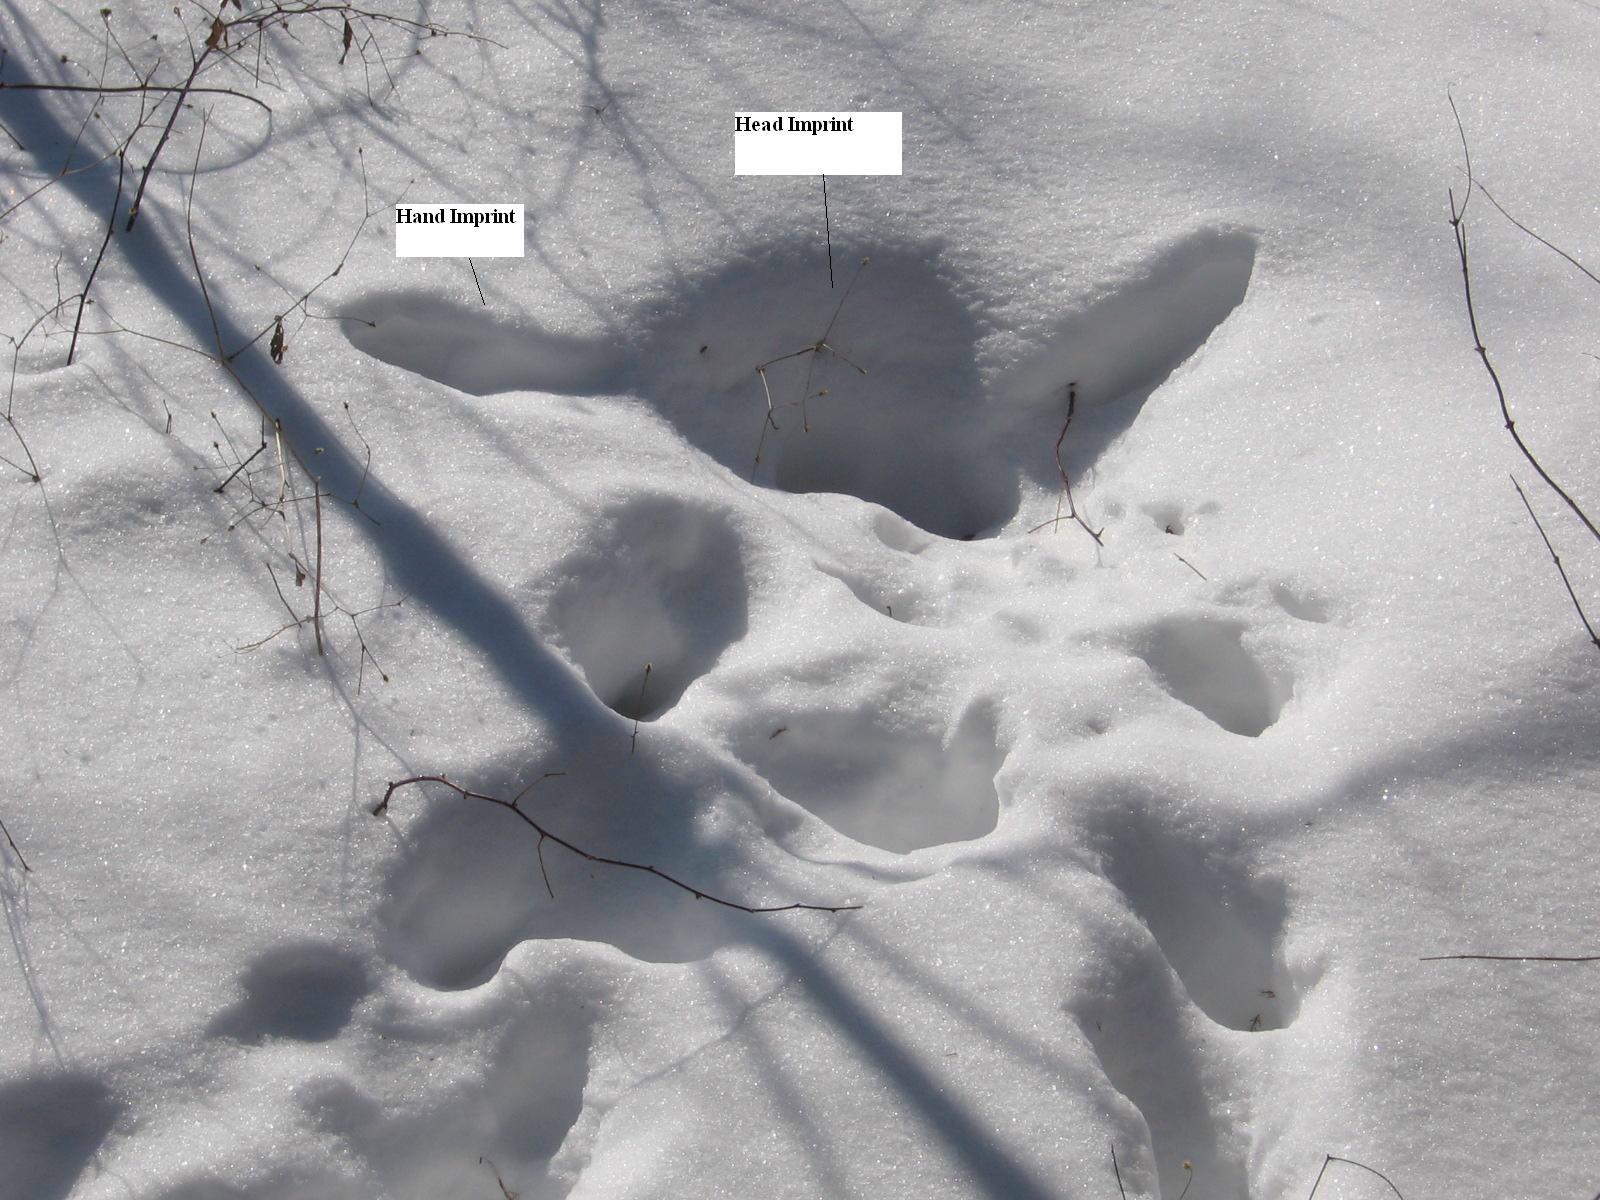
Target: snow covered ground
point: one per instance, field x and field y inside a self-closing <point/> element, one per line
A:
<point x="1148" y="838"/>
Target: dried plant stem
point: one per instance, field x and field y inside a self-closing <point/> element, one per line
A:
<point x="1560" y="570"/>
<point x="1550" y="958"/>
<point x="1458" y="226"/>
<point x="1329" y="1159"/>
<point x="513" y="807"/>
<point x="1072" y="513"/>
<point x="13" y="845"/>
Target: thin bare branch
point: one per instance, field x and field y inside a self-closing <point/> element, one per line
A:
<point x="1350" y="1162"/>
<point x="1072" y="513"/>
<point x="1561" y="570"/>
<point x="512" y="806"/>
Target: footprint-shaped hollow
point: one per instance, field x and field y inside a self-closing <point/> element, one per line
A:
<point x="305" y="991"/>
<point x="1203" y="662"/>
<point x="1220" y="928"/>
<point x="661" y="586"/>
<point x="881" y="781"/>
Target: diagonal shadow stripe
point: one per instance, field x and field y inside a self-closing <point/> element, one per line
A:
<point x="954" y="1127"/>
<point x="426" y="566"/>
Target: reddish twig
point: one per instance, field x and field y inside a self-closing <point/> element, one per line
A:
<point x="513" y="807"/>
<point x="1072" y="513"/>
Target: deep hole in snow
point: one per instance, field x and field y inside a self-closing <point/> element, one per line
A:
<point x="662" y="585"/>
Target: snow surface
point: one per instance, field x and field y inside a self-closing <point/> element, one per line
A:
<point x="1147" y="849"/>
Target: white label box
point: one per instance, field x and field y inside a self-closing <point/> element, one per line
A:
<point x="816" y="143"/>
<point x="458" y="231"/>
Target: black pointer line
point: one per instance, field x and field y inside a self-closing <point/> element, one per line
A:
<point x="828" y="226"/>
<point x="475" y="280"/>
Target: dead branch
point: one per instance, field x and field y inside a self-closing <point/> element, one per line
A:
<point x="1458" y="225"/>
<point x="1557" y="958"/>
<point x="514" y="807"/>
<point x="88" y="284"/>
<point x="13" y="845"/>
<point x="136" y="89"/>
<point x="1334" y="1158"/>
<point x="1072" y="513"/>
<point x="1561" y="570"/>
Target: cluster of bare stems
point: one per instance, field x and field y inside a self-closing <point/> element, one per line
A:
<point x="1458" y="225"/>
<point x="810" y="353"/>
<point x="268" y="499"/>
<point x="514" y="807"/>
<point x="230" y="56"/>
<point x="138" y="97"/>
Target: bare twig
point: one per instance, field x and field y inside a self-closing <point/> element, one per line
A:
<point x="111" y="225"/>
<point x="1545" y="242"/>
<point x="512" y="806"/>
<point x="1458" y="226"/>
<point x="1561" y="570"/>
<point x="1072" y="513"/>
<point x="1334" y="1158"/>
<point x="638" y="710"/>
<point x="1552" y="958"/>
<point x="145" y="89"/>
<point x="505" y="1192"/>
<point x="316" y="590"/>
<point x="1117" y="1170"/>
<point x="13" y="845"/>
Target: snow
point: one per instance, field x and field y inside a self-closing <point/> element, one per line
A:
<point x="1148" y="838"/>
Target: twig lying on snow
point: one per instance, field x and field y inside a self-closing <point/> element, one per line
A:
<point x="13" y="845"/>
<point x="513" y="806"/>
<point x="1458" y="227"/>
<point x="1556" y="558"/>
<point x="1561" y="958"/>
<point x="1334" y="1158"/>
